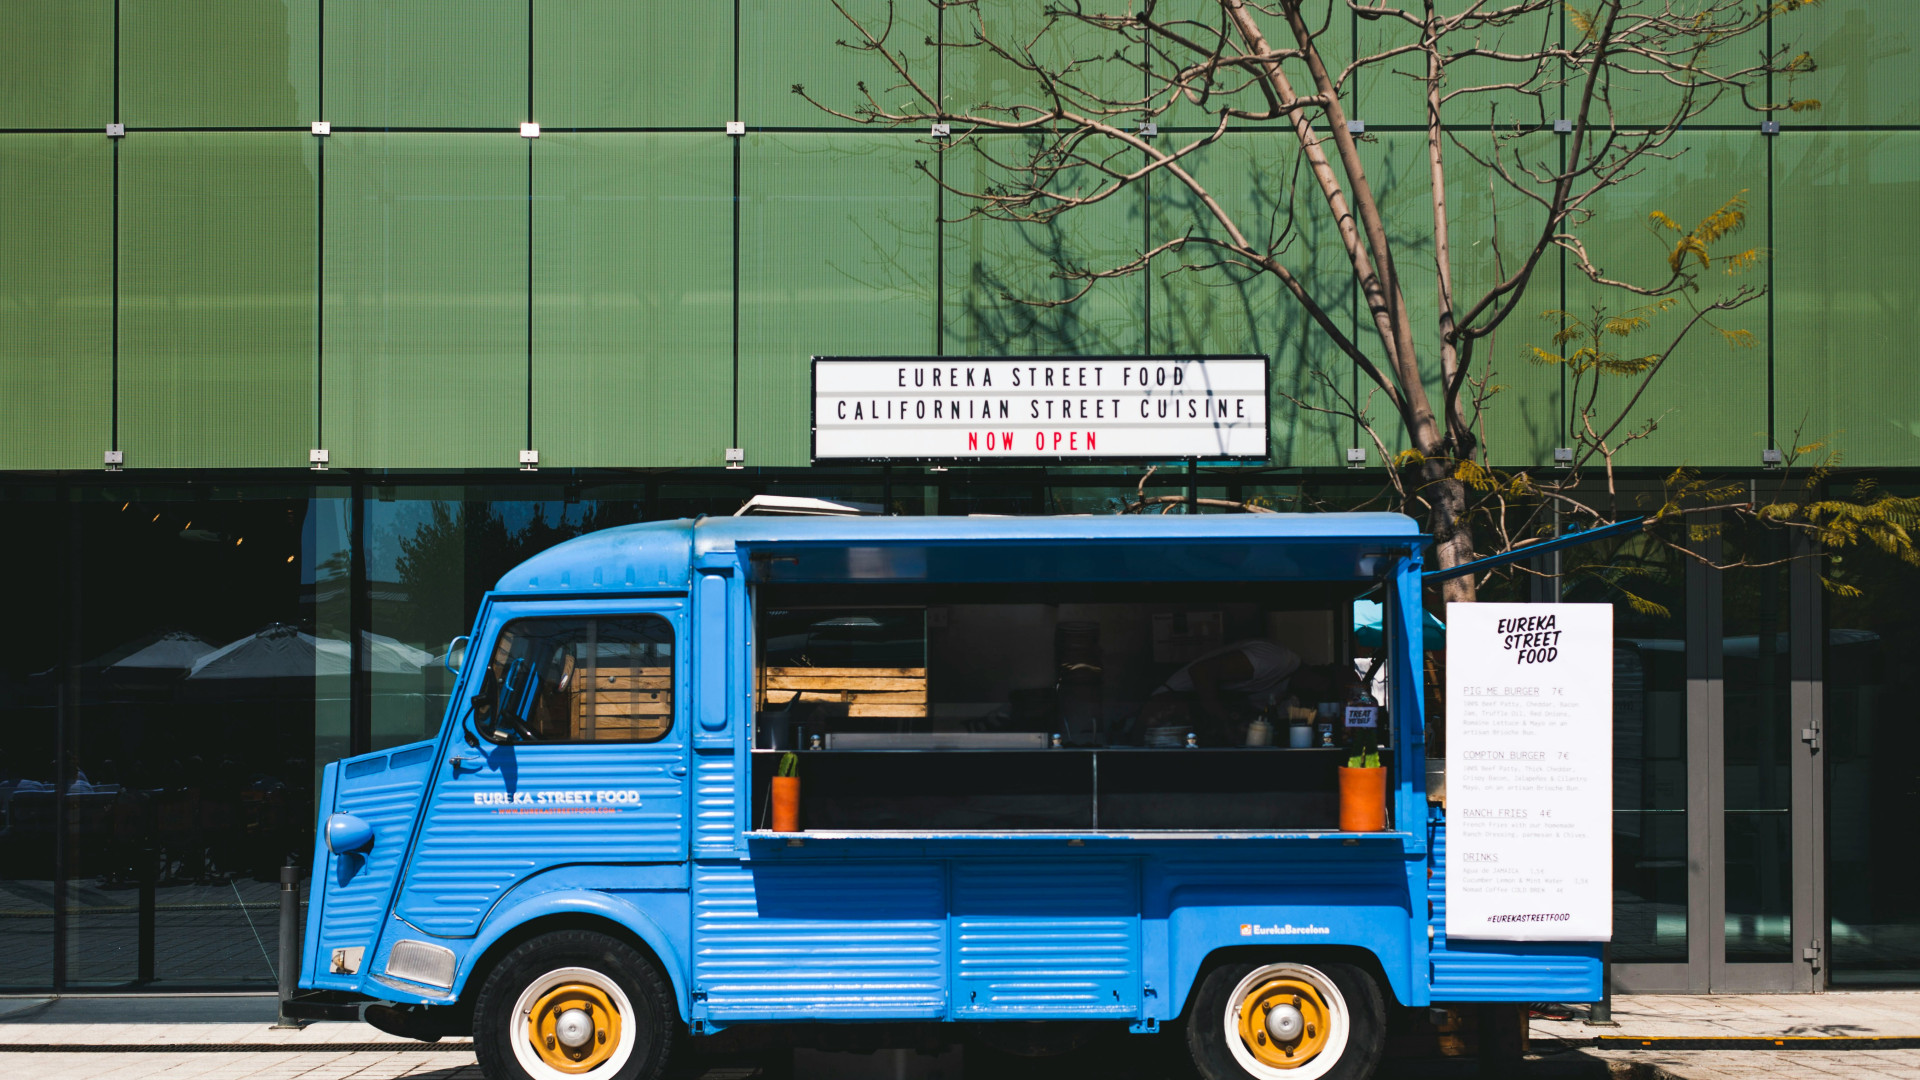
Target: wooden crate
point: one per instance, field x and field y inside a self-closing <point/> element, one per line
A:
<point x="866" y="692"/>
<point x="624" y="703"/>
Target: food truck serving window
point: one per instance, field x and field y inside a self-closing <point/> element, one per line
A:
<point x="1060" y="705"/>
<point x="580" y="679"/>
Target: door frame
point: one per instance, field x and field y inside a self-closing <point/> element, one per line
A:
<point x="1706" y="969"/>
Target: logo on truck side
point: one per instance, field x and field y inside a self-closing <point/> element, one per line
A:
<point x="603" y="799"/>
<point x="1251" y="930"/>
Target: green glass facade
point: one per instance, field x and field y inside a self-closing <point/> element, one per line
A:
<point x="424" y="293"/>
<point x="426" y="289"/>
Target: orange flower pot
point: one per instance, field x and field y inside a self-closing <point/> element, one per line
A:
<point x="1363" y="799"/>
<point x="786" y="804"/>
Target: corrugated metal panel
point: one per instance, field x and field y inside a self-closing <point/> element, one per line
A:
<point x="1503" y="971"/>
<point x="860" y="940"/>
<point x="388" y="800"/>
<point x="713" y="805"/>
<point x="1043" y="937"/>
<point x="469" y="853"/>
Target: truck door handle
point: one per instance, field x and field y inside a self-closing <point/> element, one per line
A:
<point x="677" y="769"/>
<point x="459" y="763"/>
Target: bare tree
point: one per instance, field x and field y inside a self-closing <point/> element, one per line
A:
<point x="1549" y="104"/>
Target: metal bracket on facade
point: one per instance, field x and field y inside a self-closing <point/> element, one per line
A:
<point x="1811" y="736"/>
<point x="1769" y="127"/>
<point x="1356" y="457"/>
<point x="736" y="458"/>
<point x="1772" y="458"/>
<point x="1356" y="127"/>
<point x="116" y="131"/>
<point x="323" y="127"/>
<point x="736" y="127"/>
<point x="317" y="460"/>
<point x="941" y="131"/>
<point x="529" y="130"/>
<point x="114" y="459"/>
<point x="1563" y="127"/>
<point x="1148" y="129"/>
<point x="1563" y="457"/>
<point x="529" y="460"/>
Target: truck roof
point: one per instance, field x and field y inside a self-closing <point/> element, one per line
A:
<point x="1107" y="547"/>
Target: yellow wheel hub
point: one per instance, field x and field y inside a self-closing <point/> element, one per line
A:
<point x="1284" y="1022"/>
<point x="574" y="1027"/>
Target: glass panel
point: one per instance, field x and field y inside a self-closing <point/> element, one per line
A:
<point x="1222" y="309"/>
<point x="56" y="299"/>
<point x="837" y="242"/>
<point x="56" y="65"/>
<point x="408" y="63"/>
<point x="1872" y="740"/>
<point x="1709" y="401"/>
<point x="432" y="553"/>
<point x="1201" y="21"/>
<point x="783" y="44"/>
<point x="1864" y="51"/>
<point x="633" y="356"/>
<point x="584" y="74"/>
<point x="998" y="275"/>
<point x="580" y="680"/>
<point x="1394" y="91"/>
<point x="426" y="300"/>
<point x="217" y="300"/>
<point x="31" y="667"/>
<point x="1759" y="744"/>
<point x="1649" y="740"/>
<point x="191" y="763"/>
<point x="1845" y="300"/>
<point x="976" y="75"/>
<point x="219" y="63"/>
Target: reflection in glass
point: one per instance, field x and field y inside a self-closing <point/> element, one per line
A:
<point x="189" y="770"/>
<point x="30" y="699"/>
<point x="432" y="553"/>
<point x="1871" y="747"/>
<point x="1646" y="585"/>
<point x="1759" y="741"/>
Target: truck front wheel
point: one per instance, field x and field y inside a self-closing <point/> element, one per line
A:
<point x="573" y="1005"/>
<point x="1287" y="1021"/>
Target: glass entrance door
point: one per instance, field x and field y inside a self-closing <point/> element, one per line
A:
<point x="1760" y="771"/>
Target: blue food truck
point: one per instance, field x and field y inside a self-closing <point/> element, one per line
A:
<point x="1030" y="792"/>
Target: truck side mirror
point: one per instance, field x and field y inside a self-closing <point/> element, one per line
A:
<point x="457" y="654"/>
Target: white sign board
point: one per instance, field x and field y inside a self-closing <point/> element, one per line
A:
<point x="928" y="408"/>
<point x="1530" y="772"/>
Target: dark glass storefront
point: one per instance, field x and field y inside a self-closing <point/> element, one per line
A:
<point x="184" y="657"/>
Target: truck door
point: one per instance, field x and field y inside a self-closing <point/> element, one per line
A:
<point x="571" y="748"/>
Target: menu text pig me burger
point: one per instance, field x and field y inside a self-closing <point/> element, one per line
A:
<point x="1092" y="407"/>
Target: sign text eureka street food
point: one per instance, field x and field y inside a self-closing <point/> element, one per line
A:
<point x="1004" y="408"/>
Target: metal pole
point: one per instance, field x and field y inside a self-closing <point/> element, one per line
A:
<point x="289" y="941"/>
<point x="1600" y="1013"/>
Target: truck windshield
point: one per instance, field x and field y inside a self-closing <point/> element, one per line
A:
<point x="579" y="680"/>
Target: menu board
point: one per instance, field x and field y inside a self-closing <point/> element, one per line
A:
<point x="1530" y="772"/>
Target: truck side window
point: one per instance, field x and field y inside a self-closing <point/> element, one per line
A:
<point x="580" y="679"/>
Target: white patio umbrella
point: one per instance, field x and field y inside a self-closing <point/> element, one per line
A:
<point x="282" y="651"/>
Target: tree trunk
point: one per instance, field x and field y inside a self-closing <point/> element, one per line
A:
<point x="1452" y="536"/>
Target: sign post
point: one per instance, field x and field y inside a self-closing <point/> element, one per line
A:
<point x="1061" y="408"/>
<point x="1530" y="772"/>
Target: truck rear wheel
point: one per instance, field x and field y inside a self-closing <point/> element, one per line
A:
<point x="1286" y="1020"/>
<point x="573" y="1005"/>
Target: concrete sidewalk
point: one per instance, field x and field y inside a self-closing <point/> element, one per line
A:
<point x="1746" y="1036"/>
<point x="231" y="1038"/>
